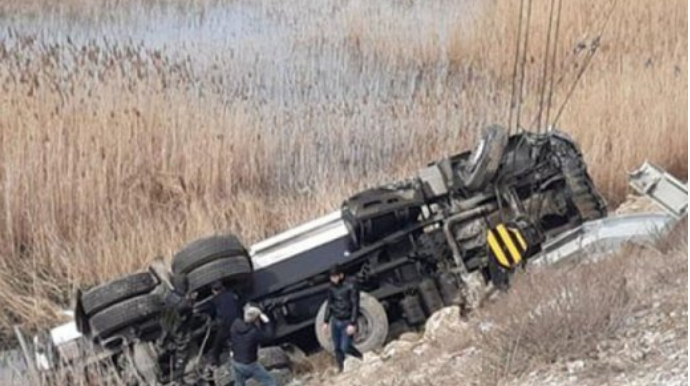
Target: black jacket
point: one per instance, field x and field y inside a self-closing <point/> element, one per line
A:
<point x="246" y="338"/>
<point x="343" y="302"/>
<point x="225" y="308"/>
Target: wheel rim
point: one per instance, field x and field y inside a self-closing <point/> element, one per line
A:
<point x="478" y="152"/>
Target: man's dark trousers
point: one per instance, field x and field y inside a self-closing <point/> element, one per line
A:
<point x="342" y="342"/>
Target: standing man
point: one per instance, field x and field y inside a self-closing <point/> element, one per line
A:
<point x="342" y="310"/>
<point x="225" y="311"/>
<point x="246" y="335"/>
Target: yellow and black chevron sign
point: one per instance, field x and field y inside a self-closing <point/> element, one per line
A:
<point x="507" y="245"/>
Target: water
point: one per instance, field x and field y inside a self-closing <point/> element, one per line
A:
<point x="284" y="53"/>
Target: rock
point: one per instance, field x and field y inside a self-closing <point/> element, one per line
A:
<point x="636" y="355"/>
<point x="410" y="337"/>
<point x="575" y="366"/>
<point x="475" y="290"/>
<point x="299" y="362"/>
<point x="282" y="376"/>
<point x="371" y="358"/>
<point x="351" y="364"/>
<point x="486" y="326"/>
<point x="354" y="364"/>
<point x="396" y="347"/>
<point x="421" y="349"/>
<point x="445" y="323"/>
<point x="638" y="204"/>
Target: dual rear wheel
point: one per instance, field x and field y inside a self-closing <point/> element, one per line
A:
<point x="129" y="303"/>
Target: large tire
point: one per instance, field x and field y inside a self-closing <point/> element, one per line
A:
<point x="204" y="251"/>
<point x="230" y="269"/>
<point x="372" y="325"/>
<point x="273" y="358"/>
<point x="485" y="159"/>
<point x="125" y="314"/>
<point x="105" y="295"/>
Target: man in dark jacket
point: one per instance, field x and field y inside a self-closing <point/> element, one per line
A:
<point x="225" y="311"/>
<point x="246" y="336"/>
<point x="342" y="311"/>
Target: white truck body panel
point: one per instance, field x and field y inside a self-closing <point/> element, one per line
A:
<point x="297" y="240"/>
<point x="319" y="244"/>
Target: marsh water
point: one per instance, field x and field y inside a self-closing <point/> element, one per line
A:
<point x="287" y="52"/>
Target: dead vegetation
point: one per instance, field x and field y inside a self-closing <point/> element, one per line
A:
<point x="113" y="153"/>
<point x="550" y="315"/>
<point x="559" y="315"/>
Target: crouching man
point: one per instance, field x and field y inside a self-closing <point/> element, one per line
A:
<point x="246" y="335"/>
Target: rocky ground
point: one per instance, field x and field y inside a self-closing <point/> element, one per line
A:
<point x="651" y="349"/>
<point x="649" y="346"/>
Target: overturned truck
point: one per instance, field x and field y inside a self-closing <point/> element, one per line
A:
<point x="411" y="246"/>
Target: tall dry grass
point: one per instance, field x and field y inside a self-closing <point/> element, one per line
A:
<point x="553" y="315"/>
<point x="113" y="153"/>
<point x="630" y="104"/>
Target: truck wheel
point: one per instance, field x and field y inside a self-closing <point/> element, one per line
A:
<point x="125" y="314"/>
<point x="206" y="250"/>
<point x="372" y="325"/>
<point x="273" y="358"/>
<point x="485" y="159"/>
<point x="105" y="295"/>
<point x="230" y="269"/>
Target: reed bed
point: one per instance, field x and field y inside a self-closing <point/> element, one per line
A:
<point x="114" y="152"/>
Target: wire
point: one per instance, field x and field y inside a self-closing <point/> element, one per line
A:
<point x="553" y="62"/>
<point x="593" y="49"/>
<point x="542" y="92"/>
<point x="515" y="69"/>
<point x="524" y="64"/>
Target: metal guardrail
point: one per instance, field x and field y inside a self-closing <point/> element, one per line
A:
<point x="605" y="235"/>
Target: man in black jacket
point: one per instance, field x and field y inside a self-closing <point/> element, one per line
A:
<point x="246" y="335"/>
<point x="342" y="310"/>
<point x="225" y="311"/>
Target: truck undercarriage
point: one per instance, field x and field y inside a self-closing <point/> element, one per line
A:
<point x="411" y="247"/>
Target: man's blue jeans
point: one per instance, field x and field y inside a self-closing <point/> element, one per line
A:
<point x="243" y="372"/>
<point x="342" y="342"/>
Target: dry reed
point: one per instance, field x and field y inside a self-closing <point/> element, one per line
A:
<point x="114" y="153"/>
